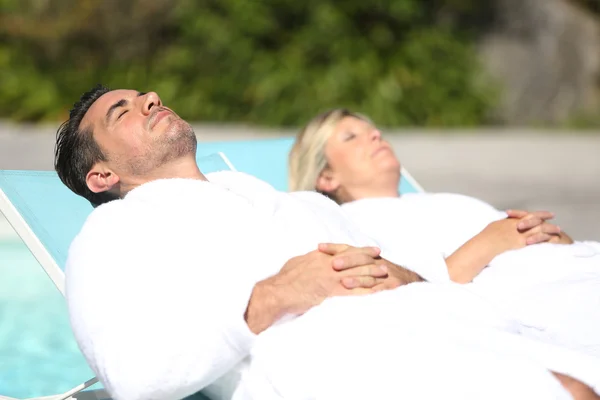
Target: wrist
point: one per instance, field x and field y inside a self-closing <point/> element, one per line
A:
<point x="491" y="242"/>
<point x="473" y="256"/>
<point x="264" y="307"/>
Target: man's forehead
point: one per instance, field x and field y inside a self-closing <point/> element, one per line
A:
<point x="98" y="109"/>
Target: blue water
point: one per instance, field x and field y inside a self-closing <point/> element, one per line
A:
<point x="38" y="354"/>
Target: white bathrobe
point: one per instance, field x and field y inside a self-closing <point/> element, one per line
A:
<point x="157" y="285"/>
<point x="553" y="289"/>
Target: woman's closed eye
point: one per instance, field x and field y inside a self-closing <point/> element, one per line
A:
<point x="123" y="113"/>
<point x="349" y="136"/>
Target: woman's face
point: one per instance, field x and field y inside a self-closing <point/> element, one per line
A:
<point x="359" y="160"/>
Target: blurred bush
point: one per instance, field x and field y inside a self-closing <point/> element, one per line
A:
<point x="271" y="62"/>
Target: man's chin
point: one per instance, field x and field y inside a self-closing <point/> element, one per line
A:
<point x="177" y="129"/>
<point x="180" y="137"/>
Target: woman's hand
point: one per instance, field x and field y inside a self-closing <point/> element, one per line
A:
<point x="499" y="236"/>
<point x="540" y="230"/>
<point x="505" y="235"/>
<point x="515" y="233"/>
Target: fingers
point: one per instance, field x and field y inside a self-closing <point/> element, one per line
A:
<point x="529" y="222"/>
<point x="521" y="214"/>
<point x="365" y="282"/>
<point x="543" y="233"/>
<point x="516" y="213"/>
<point x="538" y="238"/>
<point x="337" y="248"/>
<point x="332" y="248"/>
<point x="545" y="215"/>
<point x="355" y="259"/>
<point x="534" y="219"/>
<point x="551" y="229"/>
<point x="377" y="271"/>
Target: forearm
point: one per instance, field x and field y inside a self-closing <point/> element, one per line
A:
<point x="471" y="258"/>
<point x="264" y="307"/>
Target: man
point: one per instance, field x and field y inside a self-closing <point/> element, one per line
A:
<point x="169" y="284"/>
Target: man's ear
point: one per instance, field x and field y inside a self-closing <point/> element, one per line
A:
<point x="327" y="182"/>
<point x="101" y="179"/>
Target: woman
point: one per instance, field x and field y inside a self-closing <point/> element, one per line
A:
<point x="553" y="287"/>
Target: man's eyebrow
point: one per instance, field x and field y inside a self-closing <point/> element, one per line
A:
<point x="111" y="110"/>
<point x="120" y="103"/>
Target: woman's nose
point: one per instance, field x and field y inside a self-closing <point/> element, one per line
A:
<point x="375" y="134"/>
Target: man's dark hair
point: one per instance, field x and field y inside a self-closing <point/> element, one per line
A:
<point x="76" y="151"/>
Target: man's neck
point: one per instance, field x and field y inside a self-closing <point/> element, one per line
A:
<point x="184" y="168"/>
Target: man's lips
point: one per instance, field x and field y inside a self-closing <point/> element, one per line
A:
<point x="158" y="117"/>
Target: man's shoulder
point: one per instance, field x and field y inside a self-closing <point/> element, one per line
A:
<point x="108" y="217"/>
<point x="106" y="211"/>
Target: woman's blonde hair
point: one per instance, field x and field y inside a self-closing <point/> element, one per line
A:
<point x="307" y="158"/>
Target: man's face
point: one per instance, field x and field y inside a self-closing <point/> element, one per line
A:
<point x="137" y="134"/>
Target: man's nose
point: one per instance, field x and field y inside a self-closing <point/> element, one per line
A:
<point x="151" y="100"/>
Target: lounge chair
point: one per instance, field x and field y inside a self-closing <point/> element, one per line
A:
<point x="47" y="215"/>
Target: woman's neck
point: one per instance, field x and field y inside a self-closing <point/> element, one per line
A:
<point x="369" y="193"/>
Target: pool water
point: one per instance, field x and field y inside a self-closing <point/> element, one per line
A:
<point x="38" y="354"/>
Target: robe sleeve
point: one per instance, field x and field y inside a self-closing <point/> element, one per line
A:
<point x="429" y="264"/>
<point x="153" y="322"/>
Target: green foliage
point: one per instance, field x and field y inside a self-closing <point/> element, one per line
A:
<point x="274" y="62"/>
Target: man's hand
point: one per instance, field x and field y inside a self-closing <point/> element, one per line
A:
<point x="347" y="257"/>
<point x="349" y="261"/>
<point x="305" y="281"/>
<point x="538" y="230"/>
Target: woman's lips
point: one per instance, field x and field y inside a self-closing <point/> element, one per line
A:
<point x="380" y="149"/>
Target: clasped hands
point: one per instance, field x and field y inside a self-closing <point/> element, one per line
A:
<point x="523" y="228"/>
<point x="334" y="270"/>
